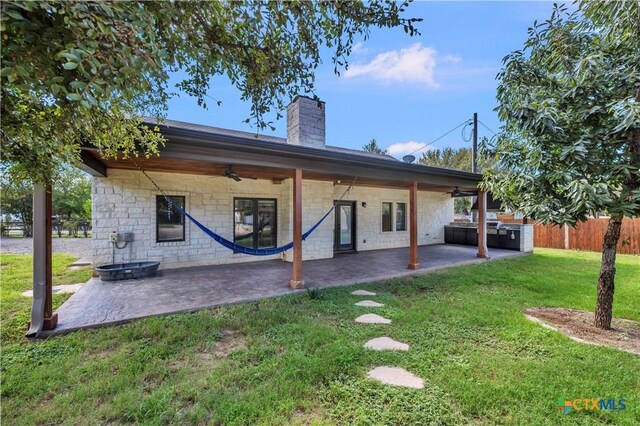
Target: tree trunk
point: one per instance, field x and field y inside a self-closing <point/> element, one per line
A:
<point x="604" y="304"/>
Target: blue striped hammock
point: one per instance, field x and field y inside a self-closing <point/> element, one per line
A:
<point x="230" y="244"/>
<point x="242" y="249"/>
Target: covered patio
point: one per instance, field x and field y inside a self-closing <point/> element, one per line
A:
<point x="173" y="291"/>
<point x="232" y="162"/>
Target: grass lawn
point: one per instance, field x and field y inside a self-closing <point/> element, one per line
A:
<point x="297" y="360"/>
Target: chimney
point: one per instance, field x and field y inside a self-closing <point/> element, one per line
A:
<point x="305" y="123"/>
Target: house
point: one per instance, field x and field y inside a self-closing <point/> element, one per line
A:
<point x="263" y="192"/>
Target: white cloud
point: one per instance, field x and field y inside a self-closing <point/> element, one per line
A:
<point x="415" y="64"/>
<point x="358" y="48"/>
<point x="451" y="59"/>
<point x="404" y="148"/>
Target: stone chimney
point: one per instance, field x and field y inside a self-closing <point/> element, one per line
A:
<point x="305" y="123"/>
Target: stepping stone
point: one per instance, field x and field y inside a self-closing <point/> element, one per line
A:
<point x="85" y="261"/>
<point x="56" y="289"/>
<point x="370" y="304"/>
<point x="396" y="377"/>
<point x="362" y="293"/>
<point x="386" y="344"/>
<point x="372" y="319"/>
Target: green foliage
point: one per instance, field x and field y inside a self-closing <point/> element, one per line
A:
<point x="71" y="200"/>
<point x="71" y="194"/>
<point x="373" y="147"/>
<point x="570" y="101"/>
<point x="77" y="73"/>
<point x="314" y="293"/>
<point x="448" y="158"/>
<point x="17" y="200"/>
<point x="451" y="158"/>
<point x="303" y="361"/>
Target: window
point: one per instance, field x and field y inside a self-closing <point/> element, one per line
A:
<point x="386" y="217"/>
<point x="254" y="222"/>
<point x="401" y="217"/>
<point x="169" y="221"/>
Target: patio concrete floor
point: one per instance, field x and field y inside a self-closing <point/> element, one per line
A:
<point x="172" y="291"/>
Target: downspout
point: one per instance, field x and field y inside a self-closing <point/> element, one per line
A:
<point x="39" y="260"/>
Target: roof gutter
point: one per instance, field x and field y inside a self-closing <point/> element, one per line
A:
<point x="240" y="144"/>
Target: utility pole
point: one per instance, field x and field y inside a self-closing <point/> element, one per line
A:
<point x="474" y="151"/>
<point x="474" y="159"/>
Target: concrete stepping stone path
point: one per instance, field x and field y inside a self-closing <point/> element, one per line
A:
<point x="370" y="304"/>
<point x="363" y="293"/>
<point x="388" y="375"/>
<point x="386" y="344"/>
<point x="372" y="319"/>
<point x="396" y="377"/>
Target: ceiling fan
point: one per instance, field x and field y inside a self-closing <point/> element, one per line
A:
<point x="233" y="175"/>
<point x="457" y="193"/>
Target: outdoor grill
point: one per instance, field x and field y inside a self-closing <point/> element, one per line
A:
<point x="499" y="235"/>
<point x="493" y="227"/>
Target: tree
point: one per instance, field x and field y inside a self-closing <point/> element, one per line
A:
<point x="17" y="201"/>
<point x="77" y="73"/>
<point x="71" y="191"/>
<point x="570" y="144"/>
<point x="450" y="158"/>
<point x="373" y="147"/>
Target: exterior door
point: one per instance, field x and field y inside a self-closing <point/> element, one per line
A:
<point x="345" y="226"/>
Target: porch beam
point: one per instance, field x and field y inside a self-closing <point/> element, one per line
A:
<point x="297" y="281"/>
<point x="413" y="226"/>
<point x="90" y="164"/>
<point x="482" y="225"/>
<point x="42" y="316"/>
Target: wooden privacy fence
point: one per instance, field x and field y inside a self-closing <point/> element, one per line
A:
<point x="587" y="236"/>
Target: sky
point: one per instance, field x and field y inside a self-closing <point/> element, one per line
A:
<point x="403" y="91"/>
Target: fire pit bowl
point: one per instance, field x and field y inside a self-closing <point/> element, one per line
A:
<point x="127" y="271"/>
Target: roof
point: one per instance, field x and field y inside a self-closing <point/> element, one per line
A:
<point x="197" y="149"/>
<point x="217" y="131"/>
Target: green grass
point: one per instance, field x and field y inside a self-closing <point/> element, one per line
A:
<point x="16" y="276"/>
<point x="301" y="360"/>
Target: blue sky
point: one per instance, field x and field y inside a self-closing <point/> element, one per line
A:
<point x="404" y="91"/>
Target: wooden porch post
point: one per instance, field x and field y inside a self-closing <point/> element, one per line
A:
<point x="42" y="316"/>
<point x="482" y="225"/>
<point x="413" y="226"/>
<point x="297" y="281"/>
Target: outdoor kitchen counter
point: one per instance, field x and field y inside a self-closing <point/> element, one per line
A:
<point x="511" y="236"/>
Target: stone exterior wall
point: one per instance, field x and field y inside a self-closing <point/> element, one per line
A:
<point x="435" y="210"/>
<point x="526" y="238"/>
<point x="125" y="202"/>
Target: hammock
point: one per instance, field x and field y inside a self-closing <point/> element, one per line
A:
<point x="230" y="244"/>
<point x="246" y="250"/>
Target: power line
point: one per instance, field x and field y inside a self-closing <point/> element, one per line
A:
<point x="486" y="127"/>
<point x="465" y="122"/>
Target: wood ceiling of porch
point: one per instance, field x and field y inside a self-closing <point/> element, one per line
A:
<point x="180" y="166"/>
